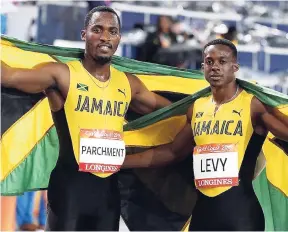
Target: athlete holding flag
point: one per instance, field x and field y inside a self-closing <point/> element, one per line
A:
<point x="225" y="131"/>
<point x="89" y="100"/>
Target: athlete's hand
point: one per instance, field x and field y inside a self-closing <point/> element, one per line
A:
<point x="182" y="145"/>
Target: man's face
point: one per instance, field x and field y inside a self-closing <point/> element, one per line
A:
<point x="165" y="24"/>
<point x="219" y="65"/>
<point x="102" y="36"/>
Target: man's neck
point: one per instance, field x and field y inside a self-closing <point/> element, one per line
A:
<point x="99" y="71"/>
<point x="224" y="93"/>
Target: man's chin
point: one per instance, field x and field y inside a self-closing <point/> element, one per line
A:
<point x="103" y="59"/>
<point x="216" y="83"/>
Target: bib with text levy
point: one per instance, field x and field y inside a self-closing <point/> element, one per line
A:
<point x="221" y="140"/>
<point x="215" y="165"/>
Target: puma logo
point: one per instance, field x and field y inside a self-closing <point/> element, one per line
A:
<point x="123" y="92"/>
<point x="236" y="112"/>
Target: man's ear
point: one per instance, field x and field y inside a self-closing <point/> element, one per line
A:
<point x="236" y="67"/>
<point x="83" y="35"/>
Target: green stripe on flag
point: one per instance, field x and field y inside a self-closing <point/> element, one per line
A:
<point x="273" y="202"/>
<point x="266" y="95"/>
<point x="120" y="63"/>
<point x="34" y="172"/>
<point x="31" y="174"/>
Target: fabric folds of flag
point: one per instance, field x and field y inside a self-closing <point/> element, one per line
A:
<point x="151" y="199"/>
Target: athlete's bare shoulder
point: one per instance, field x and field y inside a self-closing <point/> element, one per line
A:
<point x="59" y="70"/>
<point x="133" y="80"/>
<point x="57" y="94"/>
<point x="257" y="107"/>
<point x="62" y="77"/>
<point x="257" y="110"/>
<point x="51" y="66"/>
<point x="135" y="83"/>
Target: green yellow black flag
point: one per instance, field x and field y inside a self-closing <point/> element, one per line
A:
<point x="151" y="199"/>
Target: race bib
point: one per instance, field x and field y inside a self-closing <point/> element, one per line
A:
<point x="101" y="151"/>
<point x="215" y="165"/>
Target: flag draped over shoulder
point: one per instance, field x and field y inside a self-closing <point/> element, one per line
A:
<point x="151" y="199"/>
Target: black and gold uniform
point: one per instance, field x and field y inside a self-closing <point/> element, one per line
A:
<point x="83" y="190"/>
<point x="224" y="160"/>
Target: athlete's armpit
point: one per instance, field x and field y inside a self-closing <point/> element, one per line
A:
<point x="269" y="118"/>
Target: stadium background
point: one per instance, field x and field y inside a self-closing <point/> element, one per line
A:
<point x="260" y="31"/>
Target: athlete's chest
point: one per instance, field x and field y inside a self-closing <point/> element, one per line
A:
<point x="227" y="121"/>
<point x="221" y="139"/>
<point x="87" y="97"/>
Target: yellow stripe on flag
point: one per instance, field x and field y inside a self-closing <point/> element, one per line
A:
<point x="162" y="132"/>
<point x="18" y="141"/>
<point x="276" y="162"/>
<point x="6" y="43"/>
<point x="16" y="57"/>
<point x="173" y="84"/>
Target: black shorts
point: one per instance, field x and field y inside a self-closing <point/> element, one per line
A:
<point x="82" y="201"/>
<point x="237" y="209"/>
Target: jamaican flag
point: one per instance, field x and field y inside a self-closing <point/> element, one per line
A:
<point x="151" y="199"/>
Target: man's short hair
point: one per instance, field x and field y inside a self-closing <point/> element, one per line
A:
<point x="100" y="9"/>
<point x="224" y="42"/>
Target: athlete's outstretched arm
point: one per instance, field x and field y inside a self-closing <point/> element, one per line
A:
<point x="144" y="101"/>
<point x="271" y="118"/>
<point x="182" y="146"/>
<point x="31" y="80"/>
